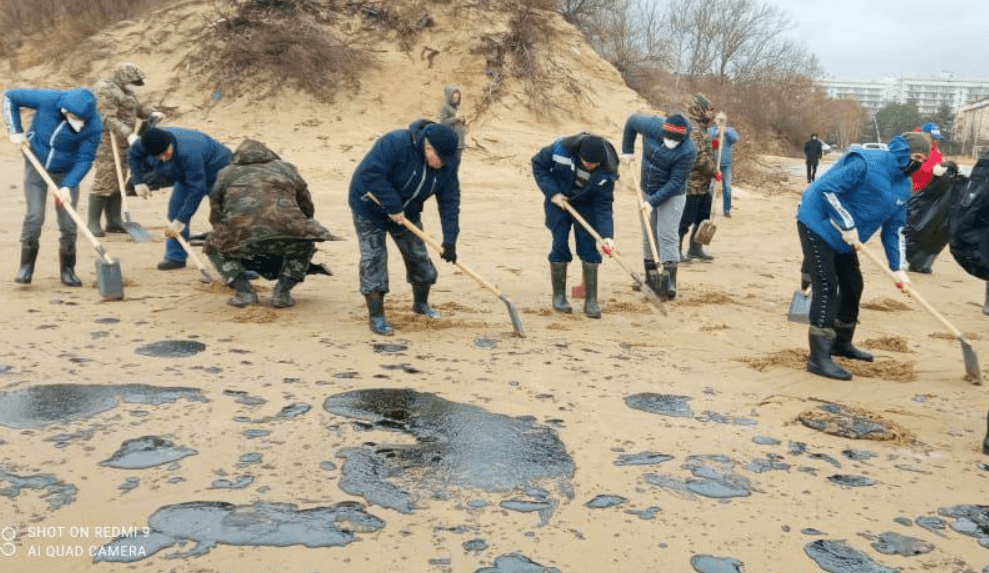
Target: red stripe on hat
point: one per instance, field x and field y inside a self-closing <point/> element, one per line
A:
<point x="674" y="128"/>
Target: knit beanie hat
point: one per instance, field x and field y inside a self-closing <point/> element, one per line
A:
<point x="675" y="127"/>
<point x="443" y="139"/>
<point x="592" y="149"/>
<point x="155" y="141"/>
<point x="919" y="142"/>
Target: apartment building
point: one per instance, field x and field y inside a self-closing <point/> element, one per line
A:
<point x="972" y="128"/>
<point x="930" y="92"/>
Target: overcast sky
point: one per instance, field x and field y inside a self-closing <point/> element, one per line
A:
<point x="883" y="38"/>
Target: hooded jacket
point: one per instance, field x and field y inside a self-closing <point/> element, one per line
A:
<point x="59" y="148"/>
<point x="259" y="198"/>
<point x="866" y="189"/>
<point x="396" y="172"/>
<point x="555" y="171"/>
<point x="664" y="171"/>
<point x="193" y="167"/>
<point x="450" y="113"/>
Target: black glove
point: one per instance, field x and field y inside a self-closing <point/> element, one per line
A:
<point x="449" y="253"/>
<point x="951" y="168"/>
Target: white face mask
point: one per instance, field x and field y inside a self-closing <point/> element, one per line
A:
<point x="74" y="122"/>
<point x="670" y="143"/>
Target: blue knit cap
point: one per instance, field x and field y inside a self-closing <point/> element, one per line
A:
<point x="443" y="139"/>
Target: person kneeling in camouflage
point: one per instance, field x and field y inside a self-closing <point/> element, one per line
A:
<point x="261" y="205"/>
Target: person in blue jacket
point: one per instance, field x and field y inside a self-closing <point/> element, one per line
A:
<point x="668" y="156"/>
<point x="730" y="139"/>
<point x="389" y="187"/>
<point x="864" y="192"/>
<point x="189" y="158"/>
<point x="581" y="170"/>
<point x="64" y="136"/>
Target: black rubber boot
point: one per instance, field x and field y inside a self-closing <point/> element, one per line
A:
<point x="819" y="362"/>
<point x="67" y="262"/>
<point x="985" y="307"/>
<point x="669" y="281"/>
<point x="376" y="310"/>
<point x="696" y="250"/>
<point x="683" y="258"/>
<point x="281" y="297"/>
<point x="114" y="222"/>
<point x="558" y="275"/>
<point x="245" y="294"/>
<point x="96" y="206"/>
<point x="420" y="300"/>
<point x="843" y="343"/>
<point x="591" y="307"/>
<point x="654" y="278"/>
<point x="26" y="272"/>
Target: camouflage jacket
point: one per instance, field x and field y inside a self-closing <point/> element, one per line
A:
<point x="258" y="198"/>
<point x="705" y="168"/>
<point x="119" y="108"/>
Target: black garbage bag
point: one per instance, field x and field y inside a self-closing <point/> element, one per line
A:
<point x="926" y="232"/>
<point x="268" y="266"/>
<point x="969" y="223"/>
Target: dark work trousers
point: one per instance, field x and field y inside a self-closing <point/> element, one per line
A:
<point x="811" y="171"/>
<point x="696" y="209"/>
<point x="836" y="279"/>
<point x="374" y="254"/>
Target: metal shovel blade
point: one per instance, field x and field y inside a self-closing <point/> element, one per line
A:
<point x="800" y="307"/>
<point x="109" y="279"/>
<point x="137" y="232"/>
<point x="705" y="232"/>
<point x="513" y="313"/>
<point x="971" y="362"/>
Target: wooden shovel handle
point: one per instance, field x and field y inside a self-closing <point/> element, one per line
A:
<point x="911" y="291"/>
<point x="80" y="225"/>
<point x="120" y="175"/>
<point x="646" y="221"/>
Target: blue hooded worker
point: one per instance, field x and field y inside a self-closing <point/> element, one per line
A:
<point x="64" y="136"/>
<point x="191" y="160"/>
<point x="581" y="170"/>
<point x="390" y="186"/>
<point x="865" y="192"/>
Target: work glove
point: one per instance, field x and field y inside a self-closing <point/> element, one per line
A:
<point x="132" y="138"/>
<point x="902" y="281"/>
<point x="155" y="118"/>
<point x="720" y="118"/>
<point x="174" y="229"/>
<point x="850" y="236"/>
<point x="939" y="170"/>
<point x="63" y="195"/>
<point x="398" y="218"/>
<point x="142" y="190"/>
<point x="646" y="207"/>
<point x="558" y="199"/>
<point x="715" y="143"/>
<point x="628" y="158"/>
<point x="608" y="246"/>
<point x="449" y="253"/>
<point x="17" y="138"/>
<point x="717" y="176"/>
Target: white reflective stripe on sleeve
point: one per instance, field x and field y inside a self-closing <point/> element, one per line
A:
<point x="901" y="245"/>
<point x="847" y="222"/>
<point x="563" y="159"/>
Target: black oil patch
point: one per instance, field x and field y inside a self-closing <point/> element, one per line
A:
<point x="602" y="501"/>
<point x="40" y="406"/>
<point x="544" y="508"/>
<point x="647" y="513"/>
<point x="851" y="481"/>
<point x="859" y="455"/>
<point x="458" y="446"/>
<point x="171" y="349"/>
<point x="711" y="416"/>
<point x="244" y="398"/>
<point x="389" y="348"/>
<point x="517" y="563"/>
<point x="714" y="477"/>
<point x="147" y="452"/>
<point x="475" y="545"/>
<point x="935" y="525"/>
<point x="769" y="463"/>
<point x="765" y="441"/>
<point x="839" y="420"/>
<point x="642" y="459"/>
<point x="240" y="483"/>
<point x="892" y="543"/>
<point x="662" y="404"/>
<point x="971" y="520"/>
<point x="57" y="494"/>
<point x="711" y="564"/>
<point x="208" y="524"/>
<point x="837" y="557"/>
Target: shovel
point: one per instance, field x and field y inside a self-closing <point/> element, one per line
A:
<point x="109" y="280"/>
<point x="513" y="312"/>
<point x="644" y="288"/>
<point x="800" y="306"/>
<point x="207" y="277"/>
<point x="971" y="360"/>
<point x="646" y="222"/>
<point x="135" y="230"/>
<point x="705" y="231"/>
